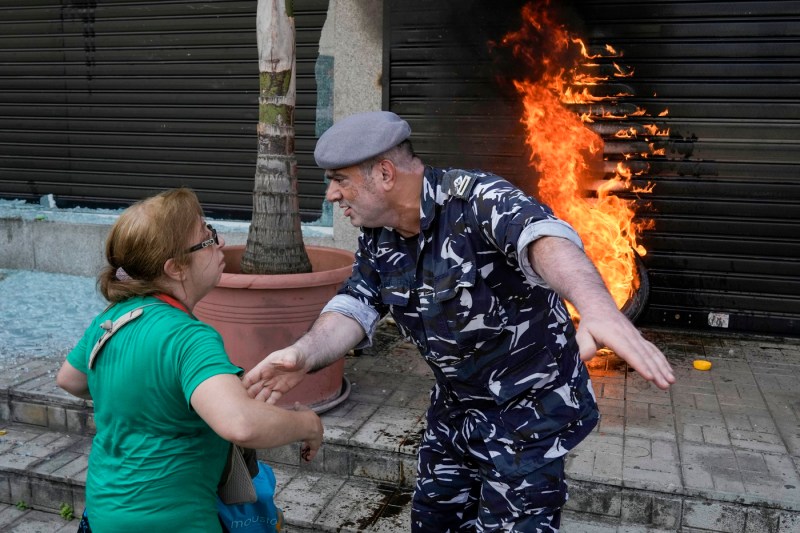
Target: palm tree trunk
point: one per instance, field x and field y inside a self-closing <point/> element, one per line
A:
<point x="275" y="242"/>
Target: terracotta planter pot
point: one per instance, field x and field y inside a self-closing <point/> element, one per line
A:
<point x="258" y="314"/>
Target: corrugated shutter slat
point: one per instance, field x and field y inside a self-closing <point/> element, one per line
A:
<point x="106" y="102"/>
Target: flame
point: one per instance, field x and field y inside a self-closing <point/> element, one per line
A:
<point x="566" y="153"/>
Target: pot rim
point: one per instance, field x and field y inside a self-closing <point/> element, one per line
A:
<point x="290" y="281"/>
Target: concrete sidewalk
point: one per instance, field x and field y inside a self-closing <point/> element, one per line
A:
<point x="718" y="452"/>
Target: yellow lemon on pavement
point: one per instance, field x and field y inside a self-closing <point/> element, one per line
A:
<point x="702" y="364"/>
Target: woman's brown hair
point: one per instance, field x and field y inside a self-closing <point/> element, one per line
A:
<point x="143" y="238"/>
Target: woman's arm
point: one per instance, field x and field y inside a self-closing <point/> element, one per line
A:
<point x="224" y="404"/>
<point x="73" y="381"/>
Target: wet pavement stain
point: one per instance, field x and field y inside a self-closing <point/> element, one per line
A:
<point x="391" y="505"/>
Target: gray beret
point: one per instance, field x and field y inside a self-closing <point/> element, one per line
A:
<point x="356" y="138"/>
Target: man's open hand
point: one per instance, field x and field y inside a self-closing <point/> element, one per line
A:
<point x="616" y="332"/>
<point x="278" y="373"/>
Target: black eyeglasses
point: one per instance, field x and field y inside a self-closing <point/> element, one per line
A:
<point x="206" y="243"/>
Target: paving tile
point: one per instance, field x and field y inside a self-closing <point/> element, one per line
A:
<point x="780" y="482"/>
<point x="784" y="408"/>
<point x="40" y="522"/>
<point x="703" y="464"/>
<point x="759" y="519"/>
<point x="303" y="496"/>
<point x="28" y="412"/>
<point x="79" y="421"/>
<point x="355" y="507"/>
<point x="17" y="462"/>
<point x="396" y="515"/>
<point x="598" y="457"/>
<point x="609" y="389"/>
<point x="777" y="378"/>
<point x="56" y="462"/>
<point x="335" y="459"/>
<point x="412" y="440"/>
<point x="612" y="415"/>
<point x="342" y="422"/>
<point x="705" y="401"/>
<point x="579" y="464"/>
<point x="594" y="498"/>
<point x="748" y="397"/>
<point x="716" y="435"/>
<point x="56" y="418"/>
<point x="411" y="398"/>
<point x="5" y="487"/>
<point x="288" y="455"/>
<point x="372" y="387"/>
<point x="586" y="523"/>
<point x="789" y="522"/>
<point x="15" y="375"/>
<point x="700" y="417"/>
<point x="381" y="466"/>
<point x="697" y="478"/>
<point x="74" y="470"/>
<point x="46" y="495"/>
<point x="8" y="515"/>
<point x="651" y="464"/>
<point x="691" y="432"/>
<point x="754" y="440"/>
<point x="20" y="486"/>
<point x="388" y="428"/>
<point x="48" y="444"/>
<point x="408" y="472"/>
<point x="43" y="385"/>
<point x="650" y="509"/>
<point x="719" y="517"/>
<point x="667" y="511"/>
<point x="645" y="419"/>
<point x="637" y="389"/>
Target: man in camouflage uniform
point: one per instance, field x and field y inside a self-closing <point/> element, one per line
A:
<point x="471" y="270"/>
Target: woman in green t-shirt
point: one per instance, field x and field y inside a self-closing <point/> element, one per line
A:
<point x="167" y="400"/>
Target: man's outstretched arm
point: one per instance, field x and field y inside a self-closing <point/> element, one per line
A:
<point x="568" y="271"/>
<point x="330" y="338"/>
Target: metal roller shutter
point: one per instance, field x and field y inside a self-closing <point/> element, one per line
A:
<point x="103" y="103"/>
<point x="725" y="250"/>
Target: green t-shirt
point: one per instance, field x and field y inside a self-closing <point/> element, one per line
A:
<point x="154" y="464"/>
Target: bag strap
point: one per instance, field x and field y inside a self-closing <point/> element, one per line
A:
<point x="111" y="328"/>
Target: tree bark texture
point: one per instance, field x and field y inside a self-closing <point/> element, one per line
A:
<point x="275" y="241"/>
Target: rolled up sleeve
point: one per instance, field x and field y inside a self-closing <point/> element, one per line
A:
<point x="537" y="230"/>
<point x="366" y="316"/>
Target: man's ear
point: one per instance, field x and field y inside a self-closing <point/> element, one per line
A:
<point x="388" y="174"/>
<point x="173" y="270"/>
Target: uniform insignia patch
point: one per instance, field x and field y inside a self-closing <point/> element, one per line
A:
<point x="458" y="183"/>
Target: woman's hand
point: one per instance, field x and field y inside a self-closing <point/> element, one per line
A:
<point x="311" y="445"/>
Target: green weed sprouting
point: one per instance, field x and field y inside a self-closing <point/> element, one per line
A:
<point x="67" y="513"/>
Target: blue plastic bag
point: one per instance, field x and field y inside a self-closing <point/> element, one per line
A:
<point x="262" y="516"/>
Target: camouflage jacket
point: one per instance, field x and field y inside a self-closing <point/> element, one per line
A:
<point x="464" y="292"/>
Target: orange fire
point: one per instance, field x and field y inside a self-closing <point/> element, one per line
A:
<point x="568" y="155"/>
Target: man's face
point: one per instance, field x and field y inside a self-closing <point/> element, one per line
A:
<point x="361" y="197"/>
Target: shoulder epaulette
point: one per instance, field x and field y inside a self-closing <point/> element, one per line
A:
<point x="458" y="183"/>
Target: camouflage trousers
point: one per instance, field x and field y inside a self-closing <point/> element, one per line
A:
<point x="484" y="467"/>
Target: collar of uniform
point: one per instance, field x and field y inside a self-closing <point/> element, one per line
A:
<point x="431" y="189"/>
